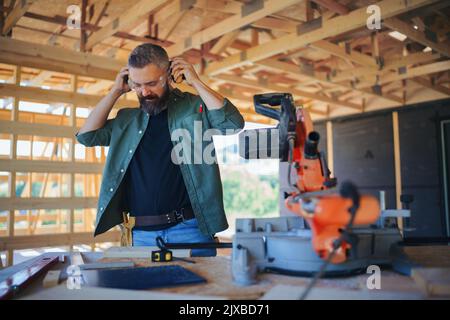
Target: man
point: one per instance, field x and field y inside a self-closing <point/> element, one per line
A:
<point x="164" y="192"/>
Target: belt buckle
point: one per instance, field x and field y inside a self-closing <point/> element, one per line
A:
<point x="179" y="215"/>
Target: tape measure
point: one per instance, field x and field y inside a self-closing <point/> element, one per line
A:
<point x="163" y="255"/>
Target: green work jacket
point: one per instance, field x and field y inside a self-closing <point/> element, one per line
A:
<point x="187" y="114"/>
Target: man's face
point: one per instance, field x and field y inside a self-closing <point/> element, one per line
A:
<point x="151" y="86"/>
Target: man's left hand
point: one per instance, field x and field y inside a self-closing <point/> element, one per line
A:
<point x="182" y="67"/>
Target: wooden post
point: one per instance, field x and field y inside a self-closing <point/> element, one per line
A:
<point x="2" y="23"/>
<point x="83" y="34"/>
<point x="12" y="176"/>
<point x="397" y="165"/>
<point x="330" y="155"/>
<point x="73" y="124"/>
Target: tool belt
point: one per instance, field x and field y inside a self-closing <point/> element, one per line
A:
<point x="177" y="216"/>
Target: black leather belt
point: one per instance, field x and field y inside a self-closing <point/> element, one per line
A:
<point x="168" y="218"/>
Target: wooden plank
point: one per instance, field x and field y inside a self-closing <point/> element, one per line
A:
<point x="54" y="53"/>
<point x="51" y="279"/>
<point x="227" y="25"/>
<point x="330" y="150"/>
<point x="271" y="23"/>
<point x="14" y="16"/>
<point x="225" y="41"/>
<point x="232" y="7"/>
<point x="2" y="23"/>
<point x="333" y="6"/>
<point x="13" y="152"/>
<point x="53" y="65"/>
<point x="397" y="166"/>
<point x="48" y="96"/>
<point x="335" y="26"/>
<point x="416" y="35"/>
<point x="25" y="165"/>
<point x="172" y="24"/>
<point x="435" y="87"/>
<point x="341" y="52"/>
<point x="23" y="128"/>
<point x="392" y="64"/>
<point x="51" y="240"/>
<point x="40" y="78"/>
<point x="124" y="20"/>
<point x="417" y="71"/>
<point x="48" y="203"/>
<point x="98" y="86"/>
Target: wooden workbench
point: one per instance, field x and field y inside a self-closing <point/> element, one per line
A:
<point x="217" y="271"/>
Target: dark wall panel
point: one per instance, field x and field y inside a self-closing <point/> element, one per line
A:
<point x="363" y="154"/>
<point x="421" y="172"/>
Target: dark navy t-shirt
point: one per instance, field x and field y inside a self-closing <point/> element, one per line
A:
<point x="155" y="185"/>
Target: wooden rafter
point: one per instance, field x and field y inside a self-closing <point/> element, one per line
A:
<point x="229" y="24"/>
<point x="417" y="35"/>
<point x="14" y="16"/>
<point x="124" y="20"/>
<point x="329" y="28"/>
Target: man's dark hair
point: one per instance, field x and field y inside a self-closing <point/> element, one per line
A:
<point x="148" y="53"/>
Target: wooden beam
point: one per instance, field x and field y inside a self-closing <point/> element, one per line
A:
<point x="333" y="6"/>
<point x="232" y="7"/>
<point x="48" y="203"/>
<point x="98" y="86"/>
<point x="15" y="15"/>
<point x="172" y="24"/>
<point x="51" y="240"/>
<point x="392" y="64"/>
<point x="397" y="165"/>
<point x="229" y="24"/>
<point x="271" y="23"/>
<point x="23" y="165"/>
<point x="335" y="26"/>
<point x="428" y="84"/>
<point x="124" y="20"/>
<point x="40" y="78"/>
<point x="46" y="130"/>
<point x="414" y="72"/>
<point x="416" y="35"/>
<point x="83" y="32"/>
<point x="268" y="86"/>
<point x="57" y="59"/>
<point x="341" y="52"/>
<point x="2" y="23"/>
<point x="48" y="96"/>
<point x="225" y="41"/>
<point x="330" y="144"/>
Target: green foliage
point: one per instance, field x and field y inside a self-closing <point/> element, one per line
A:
<point x="246" y="193"/>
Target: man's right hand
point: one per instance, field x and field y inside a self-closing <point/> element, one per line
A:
<point x="98" y="116"/>
<point x="120" y="86"/>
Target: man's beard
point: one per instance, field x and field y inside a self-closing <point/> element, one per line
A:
<point x="153" y="104"/>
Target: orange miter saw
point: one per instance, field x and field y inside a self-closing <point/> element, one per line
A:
<point x="337" y="225"/>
